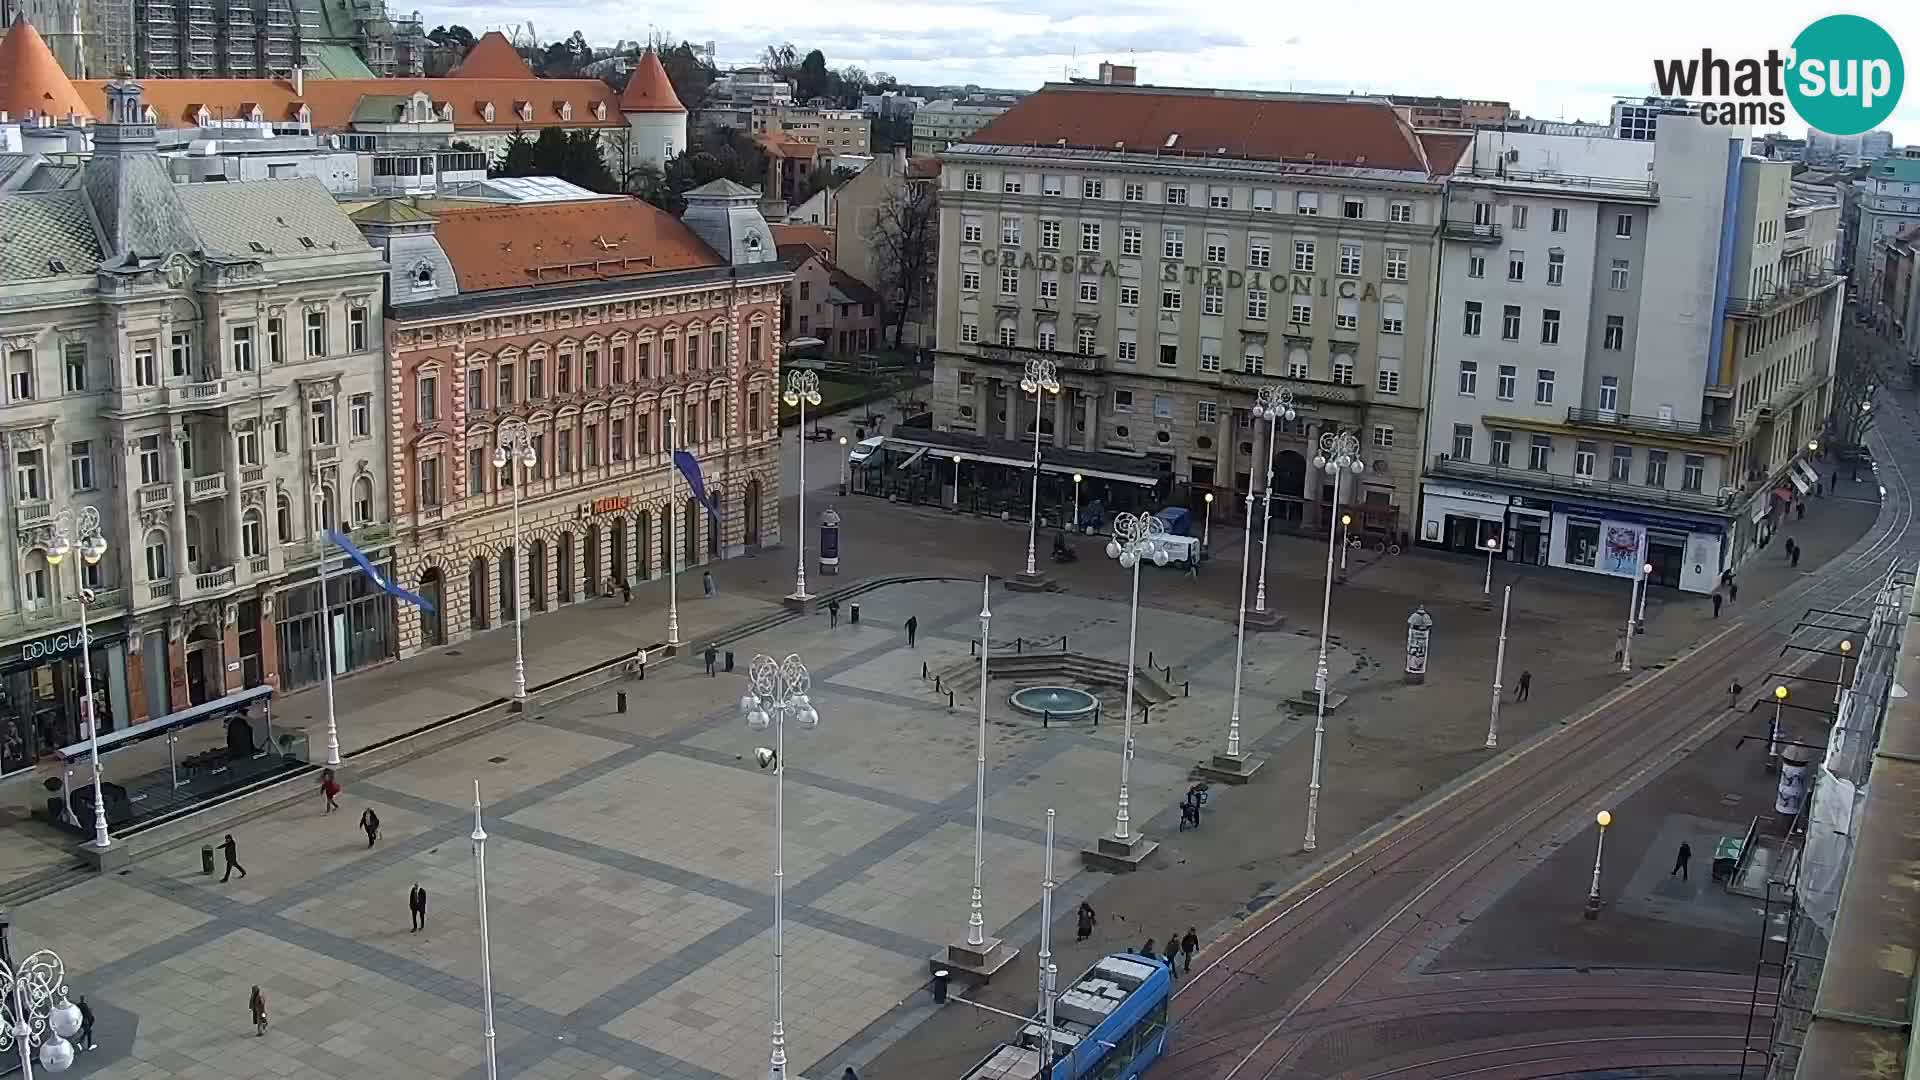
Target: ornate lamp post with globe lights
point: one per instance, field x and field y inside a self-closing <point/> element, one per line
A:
<point x="1339" y="456"/>
<point x="803" y="389"/>
<point x="777" y="693"/>
<point x="34" y="1010"/>
<point x="1234" y="767"/>
<point x="1136" y="538"/>
<point x="1040" y="379"/>
<point x="1272" y="404"/>
<point x="515" y="451"/>
<point x="83" y="536"/>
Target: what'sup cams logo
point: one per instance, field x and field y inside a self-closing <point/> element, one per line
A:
<point x="1843" y="76"/>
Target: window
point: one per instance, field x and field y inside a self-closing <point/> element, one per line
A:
<point x="537" y="376"/>
<point x="1090" y="291"/>
<point x="1463" y="442"/>
<point x="1476" y="265"/>
<point x="253" y="534"/>
<point x="970" y="232"/>
<point x="1256" y="303"/>
<point x="1009" y="335"/>
<point x="1129" y="296"/>
<point x="1623" y="225"/>
<point x="1657" y="468"/>
<point x="1383" y="436"/>
<point x="151" y="470"/>
<point x="1343" y="369"/>
<point x="74" y="359"/>
<point x="617" y="430"/>
<point x="1396" y="264"/>
<point x="1136" y="191"/>
<point x="320" y="423"/>
<point x="80" y="465"/>
<point x="239" y="348"/>
<point x="1483" y="213"/>
<point x="1049" y="291"/>
<point x="1400" y="213"/>
<point x="180" y="353"/>
<point x="1163" y="407"/>
<point x="1559" y="222"/>
<point x="476" y="389"/>
<point x="1393" y="317"/>
<point x="1009" y="281"/>
<point x="1089" y="236"/>
<point x="1306" y="204"/>
<point x="1176" y="195"/>
<point x="1353" y="209"/>
<point x="1209" y="354"/>
<point x="1049" y="234"/>
<point x="1093" y="189"/>
<point x="316" y="334"/>
<point x="1169" y="354"/>
<point x="429" y="486"/>
<point x="1609" y="393"/>
<point x="1130" y="239"/>
<point x="1516" y="266"/>
<point x="617" y="359"/>
<point x="20" y="375"/>
<point x="1216" y="250"/>
<point x="1346" y="314"/>
<point x="1584" y="456"/>
<point x="1208" y="412"/>
<point x="1213" y="300"/>
<point x="283" y="518"/>
<point x="1173" y="243"/>
<point x="969" y="332"/>
<point x="1471" y="319"/>
<point x="1123" y="401"/>
<point x="1052" y="186"/>
<point x="1044" y="336"/>
<point x="1010" y="232"/>
<point x="1254" y="360"/>
<point x="1615" y="336"/>
<point x="1387" y="380"/>
<point x="1126" y="350"/>
<point x="1549" y="326"/>
<point x="1519" y="217"/>
<point x="1303" y="256"/>
<point x="1170" y="299"/>
<point x="1011" y="184"/>
<point x="1543" y="386"/>
<point x="1350" y="260"/>
<point x="357" y="319"/>
<point x="276" y="347"/>
<point x="1556" y="267"/>
<point x="29" y="476"/>
<point x="1539" y="452"/>
<point x="157" y="563"/>
<point x="1263" y="200"/>
<point x="1259" y="252"/>
<point x="1508" y="383"/>
<point x="969" y="281"/>
<point x="1085" y="341"/>
<point x="974" y="182"/>
<point x="1693" y="470"/>
<point x="1220" y="198"/>
<point x="1622" y="470"/>
<point x="1500" y="449"/>
<point x="360" y="414"/>
<point x="1298" y="366"/>
<point x="1510" y="323"/>
<point x="1469" y="377"/>
<point x="1617" y="280"/>
<point x="1302" y="312"/>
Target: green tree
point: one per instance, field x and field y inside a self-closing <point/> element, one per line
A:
<point x="455" y="35"/>
<point x="813" y="77"/>
<point x="689" y="73"/>
<point x="573" y="156"/>
<point x="723" y="155"/>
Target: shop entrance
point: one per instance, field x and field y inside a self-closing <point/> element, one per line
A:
<point x="1470" y="534"/>
<point x="1667" y="552"/>
<point x="204" y="681"/>
<point x="1529" y="540"/>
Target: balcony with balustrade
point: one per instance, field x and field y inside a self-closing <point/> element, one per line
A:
<point x="1705" y="429"/>
<point x="202" y="488"/>
<point x="27" y="515"/>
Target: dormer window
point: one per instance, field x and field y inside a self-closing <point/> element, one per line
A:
<point x="445" y="109"/>
<point x="564" y="108"/>
<point x="305" y="115"/>
<point x="201" y="117"/>
<point x="150" y="115"/>
<point x="423" y="276"/>
<point x="486" y="111"/>
<point x="524" y="110"/>
<point x="599" y="110"/>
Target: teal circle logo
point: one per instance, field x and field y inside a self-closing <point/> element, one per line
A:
<point x="1846" y="75"/>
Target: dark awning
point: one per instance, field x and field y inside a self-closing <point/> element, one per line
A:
<point x="171" y="722"/>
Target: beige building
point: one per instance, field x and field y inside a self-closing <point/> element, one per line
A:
<point x="939" y="124"/>
<point x="1172" y="251"/>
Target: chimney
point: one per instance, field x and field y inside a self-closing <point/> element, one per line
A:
<point x="1117" y="74"/>
<point x="299" y="81"/>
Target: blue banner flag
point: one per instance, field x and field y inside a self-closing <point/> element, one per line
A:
<point x="690" y="469"/>
<point x="360" y="559"/>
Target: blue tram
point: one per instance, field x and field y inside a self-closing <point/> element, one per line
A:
<point x="1110" y="1024"/>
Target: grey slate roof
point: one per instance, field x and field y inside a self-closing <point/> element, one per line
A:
<point x="275" y="214"/>
<point x="14" y="167"/>
<point x="50" y="177"/>
<point x="41" y="226"/>
<point x="724" y="188"/>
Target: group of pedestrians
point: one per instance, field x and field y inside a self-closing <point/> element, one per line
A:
<point x="1178" y="945"/>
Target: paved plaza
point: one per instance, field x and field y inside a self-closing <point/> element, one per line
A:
<point x="629" y="864"/>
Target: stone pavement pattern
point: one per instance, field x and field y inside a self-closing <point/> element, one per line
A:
<point x="629" y="866"/>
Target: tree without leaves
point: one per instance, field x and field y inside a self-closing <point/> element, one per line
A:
<point x="1854" y="382"/>
<point x="905" y="245"/>
<point x="783" y="59"/>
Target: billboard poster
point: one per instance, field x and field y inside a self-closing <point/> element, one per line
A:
<point x="1791" y="797"/>
<point x="1622" y="545"/>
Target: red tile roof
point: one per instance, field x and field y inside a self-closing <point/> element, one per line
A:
<point x="30" y="78"/>
<point x="1209" y="122"/>
<point x="817" y="237"/>
<point x="334" y="101"/>
<point x="648" y="89"/>
<point x="1444" y="149"/>
<point x="505" y="247"/>
<point x="492" y="57"/>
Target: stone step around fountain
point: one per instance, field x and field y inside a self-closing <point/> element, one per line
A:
<point x="1065" y="667"/>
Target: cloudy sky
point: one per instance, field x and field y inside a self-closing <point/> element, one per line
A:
<point x="1550" y="60"/>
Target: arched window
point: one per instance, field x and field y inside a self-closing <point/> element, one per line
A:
<point x="362" y="501"/>
<point x="35" y="581"/>
<point x="283" y="518"/>
<point x="159" y="566"/>
<point x="253" y="534"/>
<point x="1009" y="332"/>
<point x="326" y="510"/>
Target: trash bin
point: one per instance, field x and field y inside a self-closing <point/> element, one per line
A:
<point x="729" y="659"/>
<point x="853" y="613"/>
<point x="940" y="978"/>
<point x="206" y="859"/>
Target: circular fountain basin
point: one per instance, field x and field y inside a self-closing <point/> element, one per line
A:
<point x="1063" y="702"/>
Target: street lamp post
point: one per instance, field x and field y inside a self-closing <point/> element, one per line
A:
<point x="1048" y="970"/>
<point x="1272" y="404"/>
<point x="778" y="693"/>
<point x="673" y="530"/>
<point x="1136" y="538"/>
<point x="85" y="537"/>
<point x="1240" y="637"/>
<point x="1646" y="586"/>
<point x="479" y="837"/>
<point x="1840" y="687"/>
<point x="1633" y="616"/>
<point x="1339" y="456"/>
<point x="1499" y="669"/>
<point x="34" y="1010"/>
<point x="514" y="451"/>
<point x="1773" y="730"/>
<point x="1041" y="378"/>
<point x="956" y="483"/>
<point x="1602" y="819"/>
<point x="1492" y="546"/>
<point x="803" y="389"/>
<point x="1346" y="522"/>
<point x="323" y="543"/>
<point x="1075" y="525"/>
<point x="1206" y="528"/>
<point x="843" y="466"/>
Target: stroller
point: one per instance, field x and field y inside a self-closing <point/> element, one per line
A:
<point x="1190" y="806"/>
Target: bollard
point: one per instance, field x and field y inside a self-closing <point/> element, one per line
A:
<point x="949" y="701"/>
<point x="973" y="646"/>
<point x="1063" y="643"/>
<point x="923" y="669"/>
<point x="1146" y="714"/>
<point x="853" y="613"/>
<point x="1150" y="664"/>
<point x="620" y="702"/>
<point x="940" y="978"/>
<point x="206" y="859"/>
<point x="1186" y="688"/>
<point x="1018" y="645"/>
<point x="936" y="684"/>
<point x="1046" y="718"/>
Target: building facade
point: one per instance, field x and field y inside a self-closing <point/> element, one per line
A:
<point x="1889" y="204"/>
<point x="201" y="365"/>
<point x="1610" y="386"/>
<point x="1172" y="266"/>
<point x="617" y="335"/>
<point x="1428" y="113"/>
<point x="939" y="124"/>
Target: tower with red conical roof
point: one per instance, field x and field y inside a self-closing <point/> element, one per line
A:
<point x="32" y="85"/>
<point x="656" y="121"/>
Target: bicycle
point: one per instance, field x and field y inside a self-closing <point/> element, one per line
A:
<point x="1386" y="547"/>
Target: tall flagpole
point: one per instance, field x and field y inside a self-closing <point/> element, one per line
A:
<point x="326" y="615"/>
<point x="673" y="539"/>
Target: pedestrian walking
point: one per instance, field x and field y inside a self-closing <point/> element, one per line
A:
<point x="257" y="1005"/>
<point x="1800" y="511"/>
<point x="913" y="629"/>
<point x="1525" y="688"/>
<point x="1173" y="954"/>
<point x="417" y="906"/>
<point x="712" y="652"/>
<point x="331" y="789"/>
<point x="1733" y="695"/>
<point x="230" y="854"/>
<point x="370" y="821"/>
<point x="1149" y="950"/>
<point x="1084" y="919"/>
<point x="706" y="582"/>
<point x="833" y="614"/>
<point x="1793" y="556"/>
<point x="849" y="1074"/>
<point x="626" y="591"/>
<point x="1189" y="944"/>
<point x="86" y="1023"/>
<point x="1681" y="860"/>
<point x="1733" y="592"/>
<point x="1726" y="577"/>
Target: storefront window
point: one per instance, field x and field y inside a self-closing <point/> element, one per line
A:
<point x="40" y="687"/>
<point x="1583" y="542"/>
<point x="362" y="628"/>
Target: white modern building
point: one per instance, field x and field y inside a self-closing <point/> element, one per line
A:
<point x="1888" y="205"/>
<point x="1633" y="344"/>
<point x="939" y="124"/>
